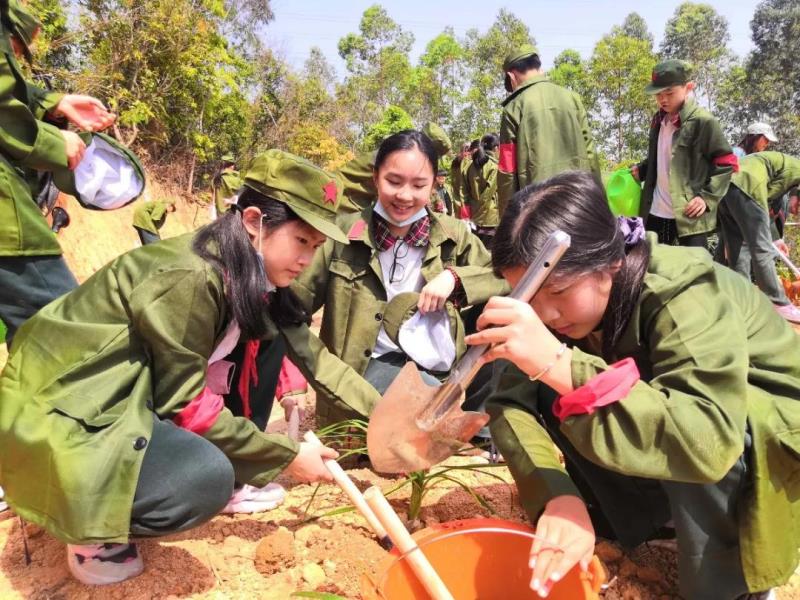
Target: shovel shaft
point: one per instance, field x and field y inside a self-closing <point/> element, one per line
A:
<point x="403" y="541"/>
<point x="451" y="392"/>
<point x="349" y="488"/>
<point x="787" y="262"/>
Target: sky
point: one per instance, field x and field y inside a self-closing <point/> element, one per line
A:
<point x="555" y="24"/>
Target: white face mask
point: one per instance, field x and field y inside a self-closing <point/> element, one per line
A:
<point x="415" y="217"/>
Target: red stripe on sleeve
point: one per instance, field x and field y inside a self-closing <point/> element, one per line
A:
<point x="201" y="413"/>
<point x="603" y="389"/>
<point x="727" y="160"/>
<point x="508" y="158"/>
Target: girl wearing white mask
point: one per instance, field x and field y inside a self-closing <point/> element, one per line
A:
<point x="398" y="245"/>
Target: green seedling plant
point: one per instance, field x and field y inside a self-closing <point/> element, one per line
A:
<point x="350" y="436"/>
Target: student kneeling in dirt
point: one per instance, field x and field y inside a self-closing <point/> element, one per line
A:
<point x="669" y="383"/>
<point x="113" y="420"/>
<point x="397" y="246"/>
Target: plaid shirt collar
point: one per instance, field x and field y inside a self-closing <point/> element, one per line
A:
<point x="418" y="234"/>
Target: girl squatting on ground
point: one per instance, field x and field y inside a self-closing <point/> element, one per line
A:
<point x="114" y="420"/>
<point x="668" y="382"/>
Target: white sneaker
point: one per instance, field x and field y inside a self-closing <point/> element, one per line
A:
<point x="3" y="504"/>
<point x="249" y="499"/>
<point x="101" y="564"/>
<point x="789" y="312"/>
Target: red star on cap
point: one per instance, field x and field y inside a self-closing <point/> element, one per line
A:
<point x="330" y="192"/>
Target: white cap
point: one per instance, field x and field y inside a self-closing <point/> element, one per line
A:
<point x="762" y="129"/>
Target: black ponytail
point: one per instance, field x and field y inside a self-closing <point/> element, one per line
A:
<point x="226" y="245"/>
<point x="575" y="203"/>
<point x="489" y="143"/>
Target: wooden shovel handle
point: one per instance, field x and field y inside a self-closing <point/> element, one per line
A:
<point x="349" y="488"/>
<point x="408" y="548"/>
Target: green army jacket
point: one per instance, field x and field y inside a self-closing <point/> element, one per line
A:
<point x="457" y="183"/>
<point x="714" y="359"/>
<point x="358" y="186"/>
<point x="466" y="196"/>
<point x="27" y="144"/>
<point x="89" y="371"/>
<point x="483" y="192"/>
<point x="150" y="216"/>
<point x="228" y="186"/>
<point x="544" y="131"/>
<point x="693" y="171"/>
<point x="765" y="176"/>
<point x="347" y="280"/>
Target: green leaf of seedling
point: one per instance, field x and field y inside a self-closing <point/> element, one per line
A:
<point x="317" y="595"/>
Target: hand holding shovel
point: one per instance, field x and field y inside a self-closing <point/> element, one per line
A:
<point x="415" y="425"/>
<point x="349" y="488"/>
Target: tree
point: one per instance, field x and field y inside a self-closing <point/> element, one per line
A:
<point x="773" y="72"/>
<point x="377" y="60"/>
<point x="620" y="68"/>
<point x="436" y="84"/>
<point x="698" y="34"/>
<point x="636" y="27"/>
<point x="484" y="59"/>
<point x="571" y="71"/>
<point x="394" y="119"/>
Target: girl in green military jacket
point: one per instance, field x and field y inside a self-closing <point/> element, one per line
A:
<point x="668" y="382"/>
<point x="97" y="381"/>
<point x="481" y="181"/>
<point x="397" y="246"/>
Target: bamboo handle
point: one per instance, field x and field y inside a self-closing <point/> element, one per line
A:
<point x="408" y="548"/>
<point x="344" y="482"/>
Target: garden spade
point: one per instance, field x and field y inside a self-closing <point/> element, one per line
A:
<point x="416" y="425"/>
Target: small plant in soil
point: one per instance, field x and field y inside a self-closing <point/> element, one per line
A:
<point x="350" y="439"/>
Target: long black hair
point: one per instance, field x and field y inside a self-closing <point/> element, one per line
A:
<point x="489" y="143"/>
<point x="408" y="139"/>
<point x="226" y="245"/>
<point x="575" y="203"/>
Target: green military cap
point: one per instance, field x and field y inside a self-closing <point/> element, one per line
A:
<point x="23" y="24"/>
<point x="228" y="158"/>
<point x="439" y="138"/>
<point x="518" y="53"/>
<point x="109" y="175"/>
<point x="403" y="306"/>
<point x="668" y="73"/>
<point x="308" y="190"/>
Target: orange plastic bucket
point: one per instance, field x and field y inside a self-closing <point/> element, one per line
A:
<point x="484" y="559"/>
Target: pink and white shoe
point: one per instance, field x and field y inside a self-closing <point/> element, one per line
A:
<point x="789" y="312"/>
<point x="102" y="564"/>
<point x="249" y="499"/>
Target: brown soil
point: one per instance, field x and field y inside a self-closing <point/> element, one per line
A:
<point x="294" y="547"/>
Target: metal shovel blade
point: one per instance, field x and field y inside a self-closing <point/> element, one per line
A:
<point x="396" y="442"/>
<point x="416" y="425"/>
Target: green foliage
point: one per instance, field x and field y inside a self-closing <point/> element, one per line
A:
<point x="619" y="70"/>
<point x="485" y="54"/>
<point x="394" y="119"/>
<point x="636" y="27"/>
<point x="698" y="34"/>
<point x="773" y="71"/>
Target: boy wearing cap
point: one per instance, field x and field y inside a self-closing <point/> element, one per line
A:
<point x="689" y="162"/>
<point x="544" y="128"/>
<point x="32" y="270"/>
